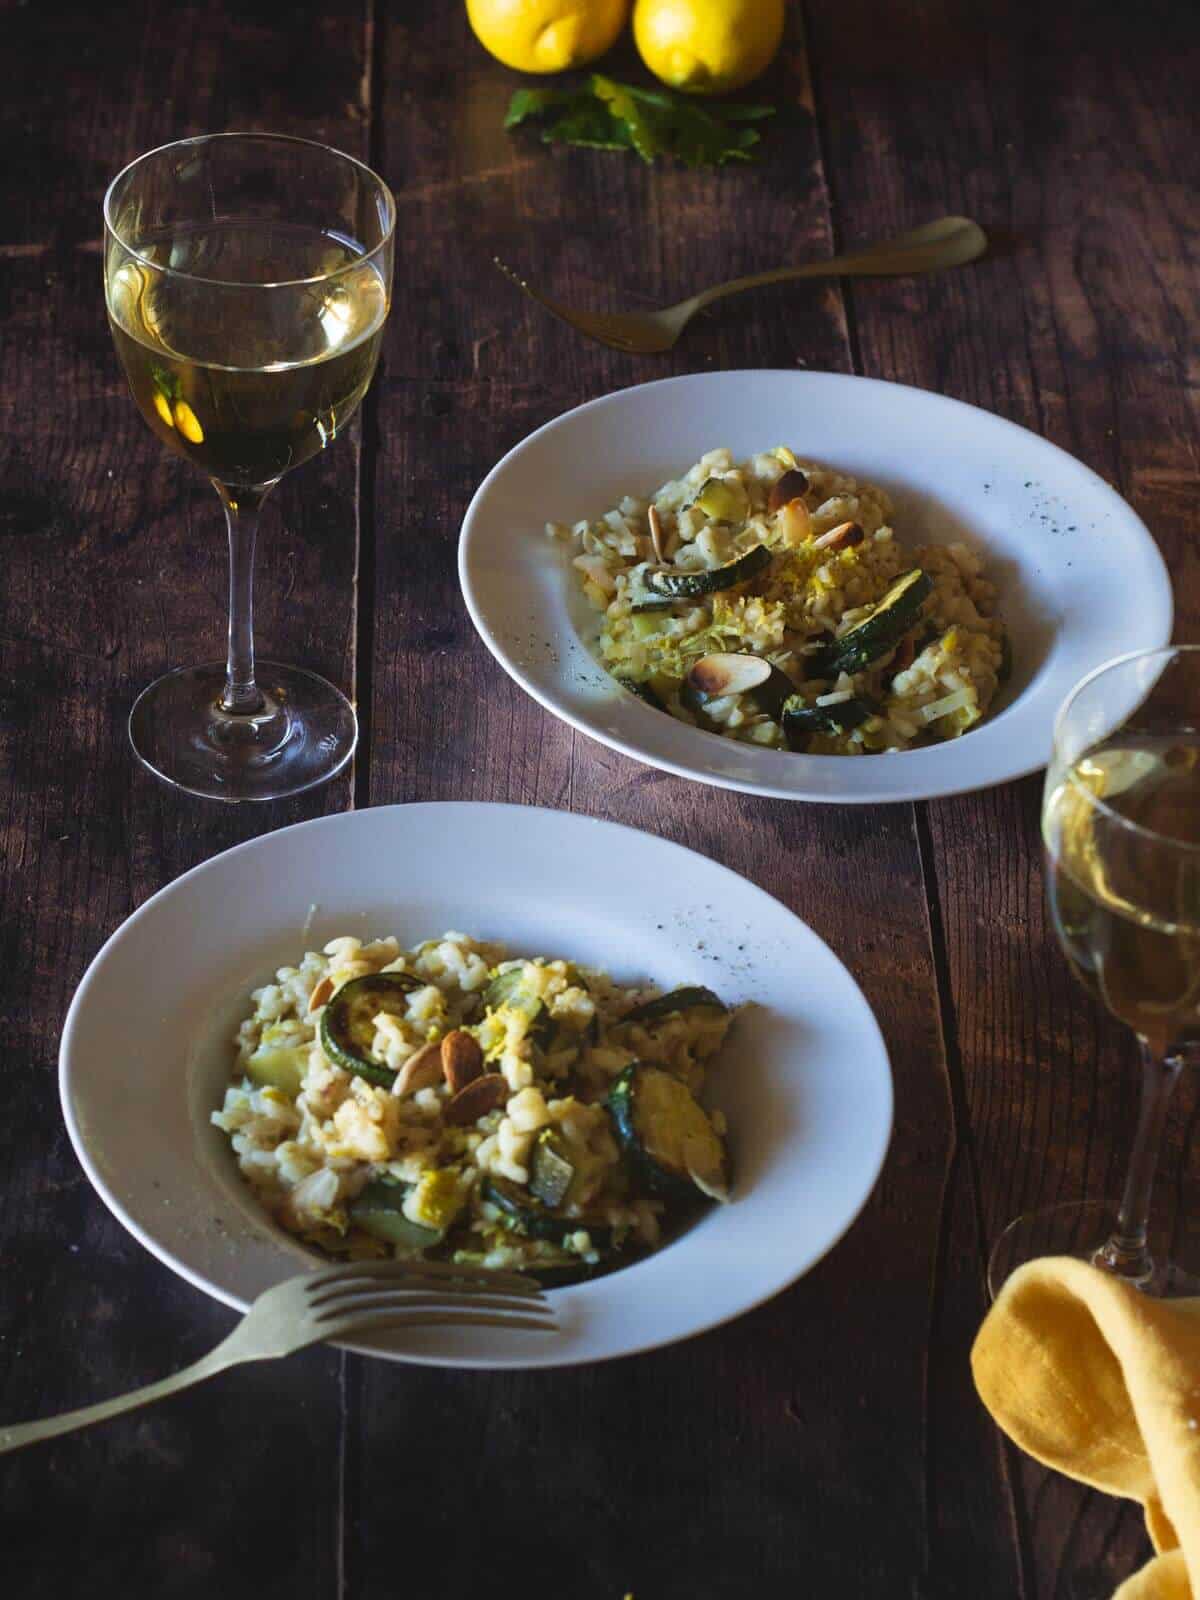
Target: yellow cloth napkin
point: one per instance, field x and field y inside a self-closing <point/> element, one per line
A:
<point x="1103" y="1383"/>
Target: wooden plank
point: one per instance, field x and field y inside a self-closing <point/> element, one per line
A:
<point x="1070" y="134"/>
<point x="114" y="570"/>
<point x="754" y="1458"/>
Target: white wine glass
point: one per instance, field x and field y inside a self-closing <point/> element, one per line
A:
<point x="1121" y="828"/>
<point x="247" y="278"/>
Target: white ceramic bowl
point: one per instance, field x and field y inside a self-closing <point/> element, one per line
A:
<point x="1080" y="577"/>
<point x="146" y="1051"/>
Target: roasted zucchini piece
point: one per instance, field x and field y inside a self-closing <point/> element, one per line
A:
<point x="666" y="1005"/>
<point x="673" y="585"/>
<point x="348" y="1022"/>
<point x="897" y="612"/>
<point x="801" y="720"/>
<point x="670" y="1144"/>
<point x="643" y="599"/>
<point x="508" y="989"/>
<point x="644" y="690"/>
<point x="280" y="1066"/>
<point x="550" y="1171"/>
<point x="522" y="1212"/>
<point x="722" y="501"/>
<point x="379" y="1211"/>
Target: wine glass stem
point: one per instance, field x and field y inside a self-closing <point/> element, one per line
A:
<point x="241" y="695"/>
<point x="1125" y="1253"/>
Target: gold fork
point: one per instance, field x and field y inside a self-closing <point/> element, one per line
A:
<point x="949" y="242"/>
<point x="337" y="1303"/>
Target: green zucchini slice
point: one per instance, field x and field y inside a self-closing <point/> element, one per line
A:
<point x="722" y="501"/>
<point x="523" y="1213"/>
<point x="644" y="690"/>
<point x="897" y="612"/>
<point x="550" y="1171"/>
<point x="348" y="1022"/>
<point x="669" y="1142"/>
<point x="663" y="583"/>
<point x="666" y="1005"/>
<point x="800" y="720"/>
<point x="379" y="1210"/>
<point x="280" y="1066"/>
<point x="508" y="989"/>
<point x="641" y="598"/>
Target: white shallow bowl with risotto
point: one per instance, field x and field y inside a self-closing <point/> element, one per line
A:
<point x="150" y="1050"/>
<point x="1038" y="572"/>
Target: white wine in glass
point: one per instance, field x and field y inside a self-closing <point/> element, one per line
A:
<point x="1121" y="827"/>
<point x="247" y="278"/>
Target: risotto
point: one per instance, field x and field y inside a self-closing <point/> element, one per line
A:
<point x="447" y="1102"/>
<point x="771" y="601"/>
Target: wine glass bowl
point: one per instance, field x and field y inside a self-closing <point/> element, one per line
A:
<point x="247" y="280"/>
<point x="1121" y="829"/>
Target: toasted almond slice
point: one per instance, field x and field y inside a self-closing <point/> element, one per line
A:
<point x="795" y="522"/>
<point x="320" y="994"/>
<point x="726" y="673"/>
<point x="792" y="486"/>
<point x="841" y="537"/>
<point x="421" y="1071"/>
<point x="462" y="1059"/>
<point x="483" y="1094"/>
<point x="658" y="537"/>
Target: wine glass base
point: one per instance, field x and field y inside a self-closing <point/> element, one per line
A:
<point x="303" y="735"/>
<point x="1079" y="1229"/>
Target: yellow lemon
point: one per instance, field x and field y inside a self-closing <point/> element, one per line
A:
<point x="708" y="46"/>
<point x="547" y="35"/>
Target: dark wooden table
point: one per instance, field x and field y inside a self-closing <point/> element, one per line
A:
<point x="830" y="1443"/>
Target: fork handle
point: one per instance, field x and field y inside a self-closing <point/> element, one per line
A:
<point x="949" y="242"/>
<point x="19" y="1434"/>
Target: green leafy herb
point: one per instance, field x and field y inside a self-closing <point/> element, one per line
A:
<point x="605" y="115"/>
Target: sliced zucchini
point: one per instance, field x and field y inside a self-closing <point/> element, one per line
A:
<point x="508" y="989"/>
<point x="670" y="1144"/>
<point x="800" y="720"/>
<point x="348" y="1022"/>
<point x="725" y="673"/>
<point x="722" y="501"/>
<point x="673" y="585"/>
<point x="642" y="599"/>
<point x="521" y="1212"/>
<point x="666" y="1005"/>
<point x="550" y="1171"/>
<point x="897" y="612"/>
<point x="644" y="690"/>
<point x="379" y="1211"/>
<point x="278" y="1066"/>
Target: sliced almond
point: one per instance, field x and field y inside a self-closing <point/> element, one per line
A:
<point x="722" y="673"/>
<point x="841" y="537"/>
<point x="658" y="537"/>
<point x="420" y="1071"/>
<point x="795" y="522"/>
<point x="792" y="486"/>
<point x="462" y="1059"/>
<point x="320" y="994"/>
<point x="484" y="1094"/>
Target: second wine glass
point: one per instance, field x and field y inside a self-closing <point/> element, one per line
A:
<point x="247" y="279"/>
<point x="1121" y="826"/>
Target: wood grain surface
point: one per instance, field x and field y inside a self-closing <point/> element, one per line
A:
<point x="829" y="1443"/>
